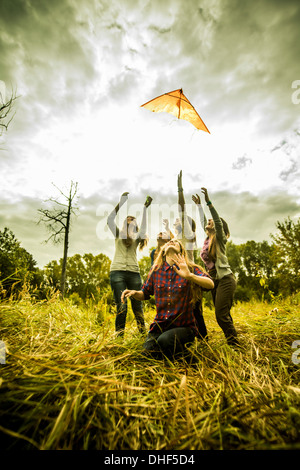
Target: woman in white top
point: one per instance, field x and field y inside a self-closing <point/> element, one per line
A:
<point x="124" y="270"/>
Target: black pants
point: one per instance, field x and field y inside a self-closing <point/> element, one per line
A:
<point x="222" y="295"/>
<point x="198" y="314"/>
<point x="170" y="343"/>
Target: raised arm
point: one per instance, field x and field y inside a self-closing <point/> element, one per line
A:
<point x="181" y="200"/>
<point x="220" y="234"/>
<point x="167" y="234"/>
<point x="143" y="230"/>
<point x="185" y="224"/>
<point x="111" y="218"/>
<point x="197" y="201"/>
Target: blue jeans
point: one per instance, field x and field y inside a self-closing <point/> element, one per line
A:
<point x="119" y="281"/>
<point x="171" y="342"/>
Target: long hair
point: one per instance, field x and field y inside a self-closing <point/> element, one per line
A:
<point x="213" y="245"/>
<point x="196" y="290"/>
<point x="126" y="239"/>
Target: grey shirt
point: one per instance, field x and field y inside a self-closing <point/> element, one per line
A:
<point x="221" y="264"/>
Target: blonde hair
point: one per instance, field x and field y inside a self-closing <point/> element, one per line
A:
<point x="196" y="290"/>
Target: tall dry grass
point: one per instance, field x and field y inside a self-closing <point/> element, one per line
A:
<point x="69" y="383"/>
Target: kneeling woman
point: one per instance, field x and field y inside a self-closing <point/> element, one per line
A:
<point x="177" y="283"/>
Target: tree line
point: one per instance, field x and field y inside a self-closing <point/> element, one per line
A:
<point x="263" y="270"/>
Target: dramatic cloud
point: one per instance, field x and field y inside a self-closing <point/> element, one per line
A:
<point x="82" y="70"/>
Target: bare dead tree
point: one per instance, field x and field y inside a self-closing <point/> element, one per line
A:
<point x="58" y="222"/>
<point x="5" y="111"/>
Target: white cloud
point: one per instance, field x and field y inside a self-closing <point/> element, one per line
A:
<point x="83" y="69"/>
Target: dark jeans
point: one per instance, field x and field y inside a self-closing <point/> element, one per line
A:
<point x="170" y="342"/>
<point x="222" y="295"/>
<point x="119" y="281"/>
<point x="198" y="314"/>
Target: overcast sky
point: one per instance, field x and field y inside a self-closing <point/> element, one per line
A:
<point x="82" y="69"/>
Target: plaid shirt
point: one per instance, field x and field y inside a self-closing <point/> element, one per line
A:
<point x="172" y="298"/>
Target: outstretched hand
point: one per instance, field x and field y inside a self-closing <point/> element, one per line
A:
<point x="179" y="180"/>
<point x="148" y="201"/>
<point x="204" y="191"/>
<point x="166" y="225"/>
<point x="127" y="293"/>
<point x="180" y="266"/>
<point x="196" y="199"/>
<point x="124" y="197"/>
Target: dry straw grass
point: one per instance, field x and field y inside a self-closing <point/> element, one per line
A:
<point x="68" y="383"/>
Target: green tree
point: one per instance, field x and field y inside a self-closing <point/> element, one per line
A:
<point x="256" y="259"/>
<point x="287" y="255"/>
<point x="52" y="272"/>
<point x="145" y="265"/>
<point x="253" y="265"/>
<point x="16" y="264"/>
<point x="87" y="276"/>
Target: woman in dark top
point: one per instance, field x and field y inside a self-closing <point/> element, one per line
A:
<point x="213" y="254"/>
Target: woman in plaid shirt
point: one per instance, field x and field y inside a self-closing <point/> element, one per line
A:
<point x="177" y="283"/>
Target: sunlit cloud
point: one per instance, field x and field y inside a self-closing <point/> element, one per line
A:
<point x="83" y="69"/>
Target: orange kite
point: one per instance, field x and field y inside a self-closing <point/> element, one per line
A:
<point x="176" y="103"/>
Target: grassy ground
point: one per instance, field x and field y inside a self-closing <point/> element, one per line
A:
<point x="68" y="383"/>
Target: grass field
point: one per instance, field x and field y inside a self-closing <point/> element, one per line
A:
<point x="68" y="383"/>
